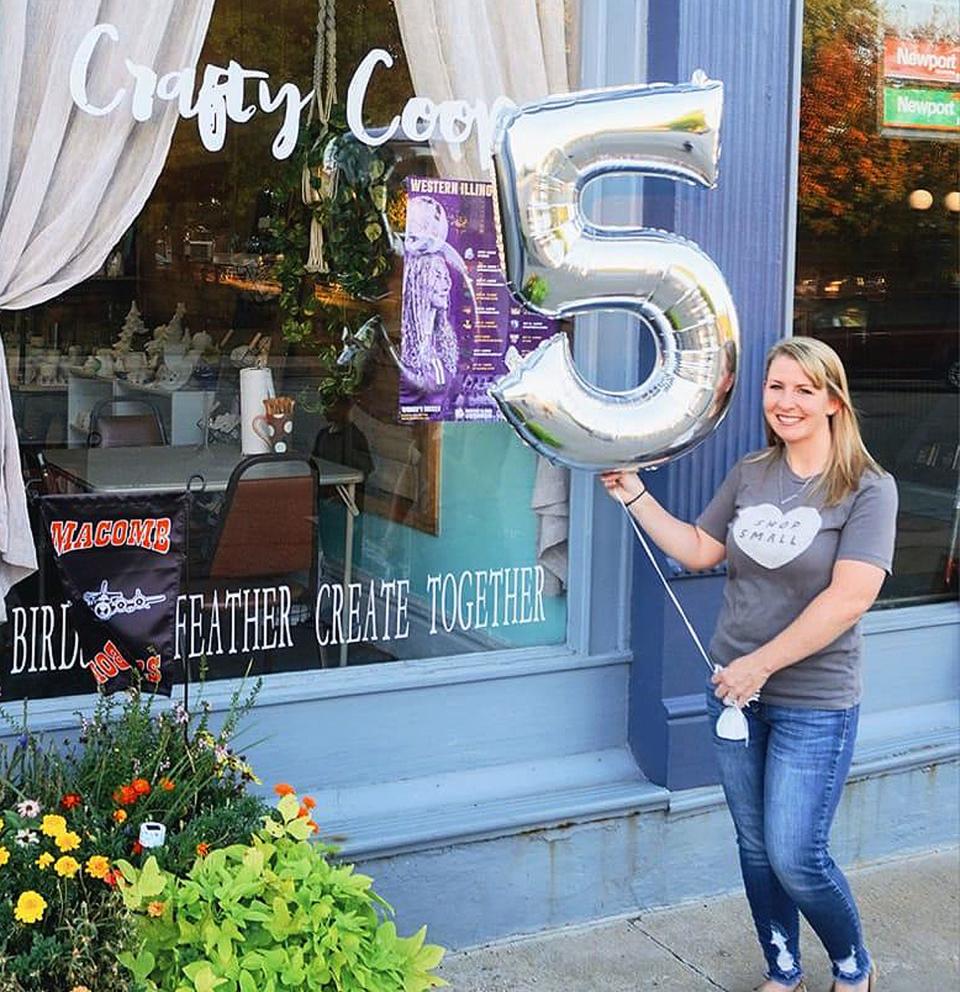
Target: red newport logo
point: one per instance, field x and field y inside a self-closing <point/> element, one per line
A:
<point x="151" y="533"/>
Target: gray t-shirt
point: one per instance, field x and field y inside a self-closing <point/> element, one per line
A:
<point x="782" y="543"/>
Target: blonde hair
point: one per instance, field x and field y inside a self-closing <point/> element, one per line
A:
<point x="849" y="457"/>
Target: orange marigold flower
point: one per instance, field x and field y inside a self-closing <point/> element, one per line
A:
<point x="282" y="789"/>
<point x="97" y="866"/>
<point x="303" y="811"/>
<point x="309" y="802"/>
<point x="120" y="815"/>
<point x="313" y="826"/>
<point x="203" y="849"/>
<point x="156" y="907"/>
<point x="126" y="795"/>
<point x="136" y="847"/>
<point x="70" y="801"/>
<point x="168" y="785"/>
<point x="140" y="786"/>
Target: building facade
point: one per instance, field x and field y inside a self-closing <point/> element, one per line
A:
<point x="550" y="762"/>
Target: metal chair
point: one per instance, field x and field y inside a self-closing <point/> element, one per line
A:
<point x="124" y="430"/>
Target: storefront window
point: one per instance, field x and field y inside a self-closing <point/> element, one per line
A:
<point x="877" y="251"/>
<point x="365" y="296"/>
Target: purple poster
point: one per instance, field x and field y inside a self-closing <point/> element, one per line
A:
<point x="459" y="325"/>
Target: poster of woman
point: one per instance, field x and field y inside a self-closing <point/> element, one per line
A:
<point x="458" y="320"/>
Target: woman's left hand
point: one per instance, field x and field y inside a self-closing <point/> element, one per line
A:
<point x="739" y="681"/>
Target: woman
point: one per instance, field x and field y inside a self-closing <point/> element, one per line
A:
<point x="430" y="354"/>
<point x="429" y="351"/>
<point x="807" y="529"/>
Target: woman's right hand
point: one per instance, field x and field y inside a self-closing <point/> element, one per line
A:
<point x="622" y="485"/>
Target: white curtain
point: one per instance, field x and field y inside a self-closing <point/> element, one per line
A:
<point x="71" y="183"/>
<point x="481" y="50"/>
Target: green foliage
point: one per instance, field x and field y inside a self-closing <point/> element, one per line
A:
<point x="129" y="763"/>
<point x="357" y="246"/>
<point x="273" y="914"/>
<point x="536" y="290"/>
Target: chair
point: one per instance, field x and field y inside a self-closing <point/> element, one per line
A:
<point x="124" y="430"/>
<point x="268" y="529"/>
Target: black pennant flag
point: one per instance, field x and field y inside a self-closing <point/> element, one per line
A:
<point x="121" y="561"/>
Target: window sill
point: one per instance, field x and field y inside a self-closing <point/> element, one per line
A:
<point x="60" y="713"/>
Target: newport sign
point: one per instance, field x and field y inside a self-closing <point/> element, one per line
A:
<point x="226" y="93"/>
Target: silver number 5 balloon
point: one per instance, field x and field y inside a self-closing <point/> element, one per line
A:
<point x="558" y="263"/>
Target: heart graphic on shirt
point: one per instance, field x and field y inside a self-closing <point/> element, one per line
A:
<point x="771" y="537"/>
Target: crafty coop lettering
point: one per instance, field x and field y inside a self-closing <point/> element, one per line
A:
<point x="422" y="119"/>
<point x="222" y="97"/>
<point x="151" y="534"/>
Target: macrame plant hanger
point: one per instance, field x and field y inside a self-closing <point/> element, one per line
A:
<point x="324" y="97"/>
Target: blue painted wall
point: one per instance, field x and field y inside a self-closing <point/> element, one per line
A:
<point x="748" y="226"/>
<point x="743" y="226"/>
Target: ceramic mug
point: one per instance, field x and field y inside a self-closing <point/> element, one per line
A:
<point x="275" y="425"/>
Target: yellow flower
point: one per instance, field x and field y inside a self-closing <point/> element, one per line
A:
<point x="156" y="907"/>
<point x="30" y="907"/>
<point x="120" y="815"/>
<point x="53" y="825"/>
<point x="97" y="866"/>
<point x="68" y="841"/>
<point x="66" y="867"/>
<point x="45" y="860"/>
<point x="4" y="855"/>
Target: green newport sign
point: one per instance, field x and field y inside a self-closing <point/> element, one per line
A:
<point x="915" y="107"/>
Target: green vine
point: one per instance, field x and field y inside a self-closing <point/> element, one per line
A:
<point x="357" y="246"/>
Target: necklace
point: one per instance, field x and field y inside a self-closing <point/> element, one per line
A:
<point x="789" y="499"/>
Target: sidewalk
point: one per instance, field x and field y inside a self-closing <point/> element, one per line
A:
<point x="910" y="914"/>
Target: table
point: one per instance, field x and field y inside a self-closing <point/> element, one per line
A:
<point x="169" y="469"/>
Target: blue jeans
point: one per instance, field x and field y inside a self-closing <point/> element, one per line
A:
<point x="783" y="789"/>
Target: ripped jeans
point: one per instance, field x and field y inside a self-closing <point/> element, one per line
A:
<point x="783" y="789"/>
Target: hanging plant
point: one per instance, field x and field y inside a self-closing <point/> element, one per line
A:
<point x="349" y="180"/>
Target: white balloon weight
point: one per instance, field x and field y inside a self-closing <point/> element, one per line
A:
<point x="559" y="263"/>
